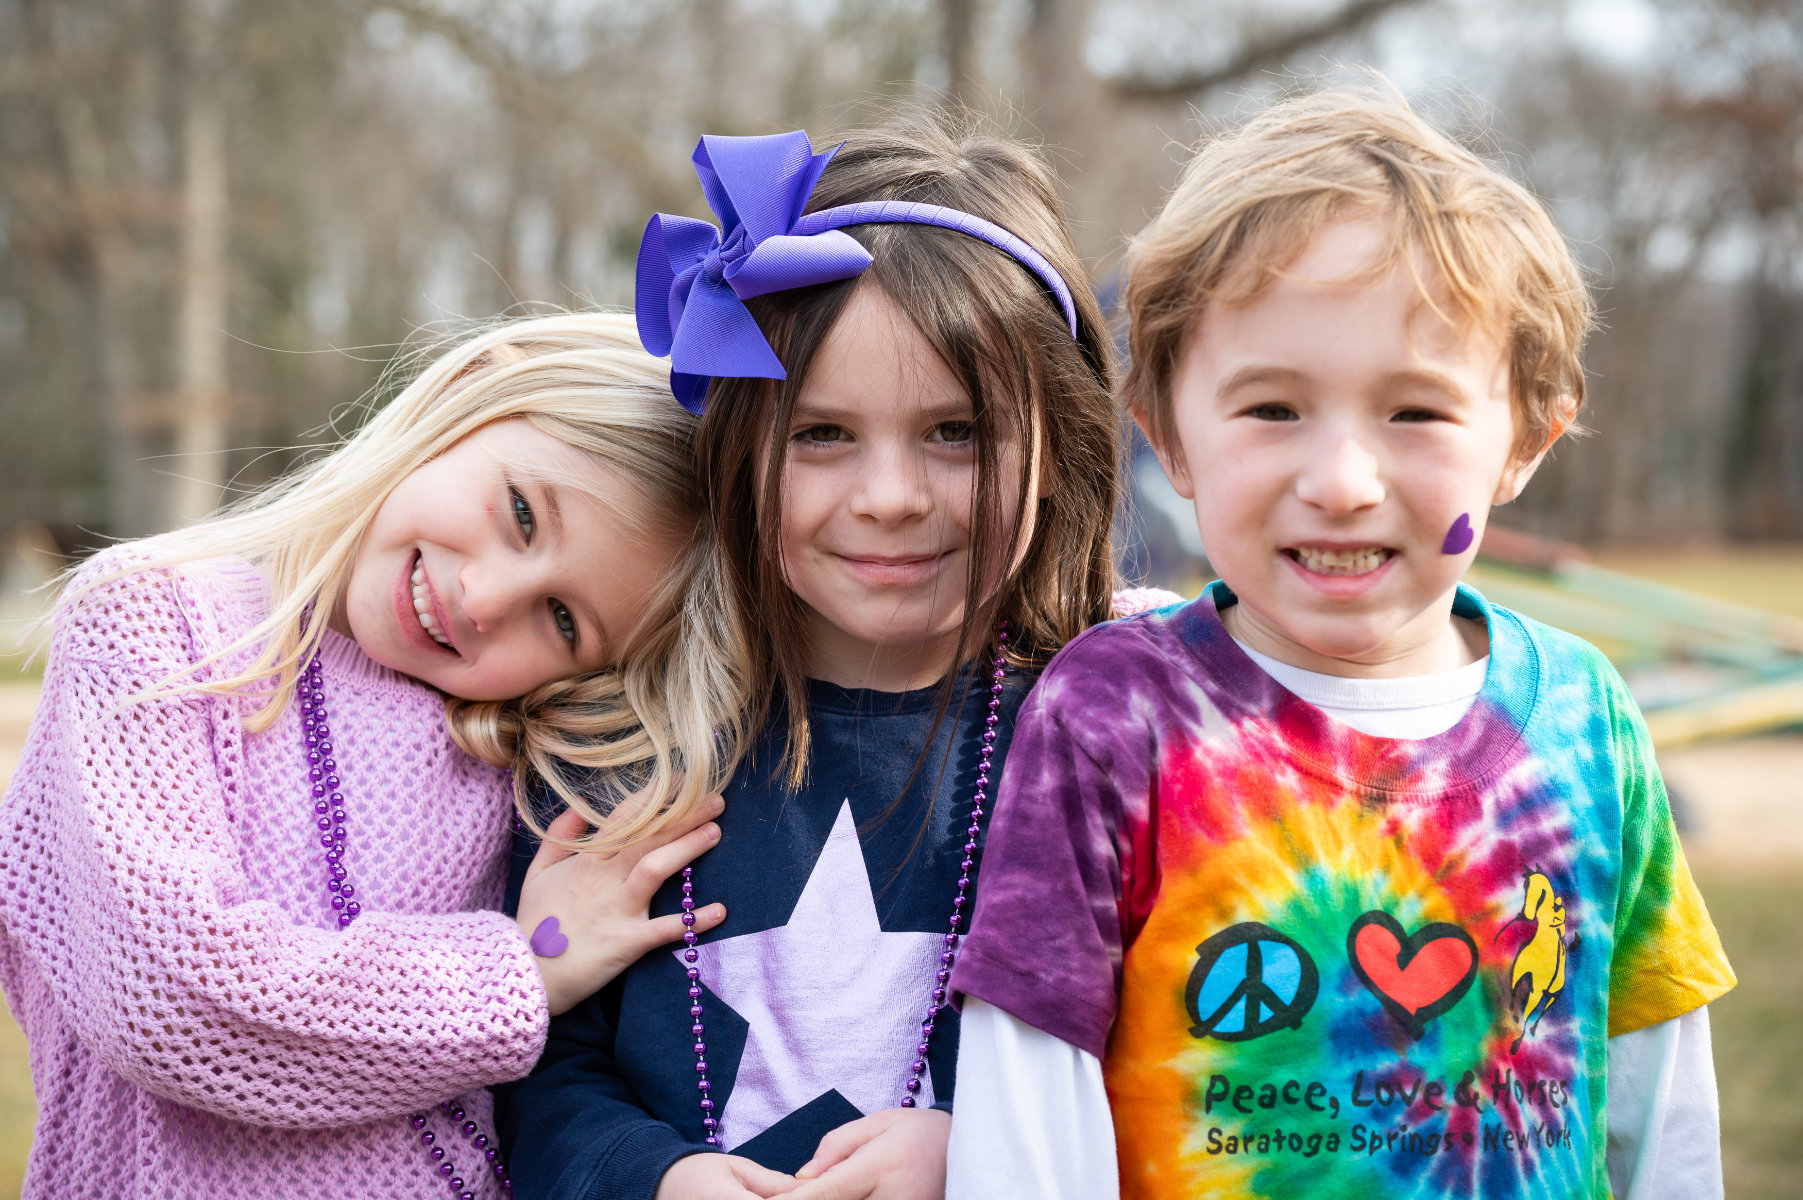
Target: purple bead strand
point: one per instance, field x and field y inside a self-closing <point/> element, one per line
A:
<point x="709" y="1125"/>
<point x="328" y="808"/>
<point x="949" y="956"/>
<point x="479" y="1142"/>
<point x="328" y="801"/>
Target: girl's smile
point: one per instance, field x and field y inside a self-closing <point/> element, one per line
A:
<point x="417" y="607"/>
<point x="897" y="570"/>
<point x="878" y="486"/>
<point x="508" y="564"/>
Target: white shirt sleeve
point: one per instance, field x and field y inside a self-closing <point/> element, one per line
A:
<point x="1664" y="1120"/>
<point x="1031" y="1120"/>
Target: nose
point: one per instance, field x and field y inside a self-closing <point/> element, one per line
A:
<point x="490" y="594"/>
<point x="893" y="487"/>
<point x="1340" y="475"/>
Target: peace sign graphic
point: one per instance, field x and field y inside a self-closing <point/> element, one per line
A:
<point x="1248" y="981"/>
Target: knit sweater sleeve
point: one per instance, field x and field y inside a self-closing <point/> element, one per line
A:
<point x="135" y="906"/>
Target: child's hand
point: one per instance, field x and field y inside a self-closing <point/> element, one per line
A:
<point x="897" y="1154"/>
<point x="720" y="1177"/>
<point x="601" y="902"/>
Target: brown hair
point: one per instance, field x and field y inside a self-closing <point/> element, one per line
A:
<point x="1250" y="201"/>
<point x="1003" y="337"/>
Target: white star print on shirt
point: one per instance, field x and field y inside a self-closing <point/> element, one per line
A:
<point x="833" y="1002"/>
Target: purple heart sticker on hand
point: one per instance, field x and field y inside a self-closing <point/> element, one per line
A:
<point x="548" y="941"/>
<point x="1458" y="538"/>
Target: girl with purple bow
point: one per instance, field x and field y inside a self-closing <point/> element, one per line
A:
<point x="910" y="450"/>
<point x="265" y="801"/>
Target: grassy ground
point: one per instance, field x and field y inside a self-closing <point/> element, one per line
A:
<point x="17" y="1110"/>
<point x="1758" y="1029"/>
<point x="1764" y="576"/>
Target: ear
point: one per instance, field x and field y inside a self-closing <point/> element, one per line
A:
<point x="1170" y="458"/>
<point x="1522" y="467"/>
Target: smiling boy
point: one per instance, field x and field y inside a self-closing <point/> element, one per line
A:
<point x="1340" y="880"/>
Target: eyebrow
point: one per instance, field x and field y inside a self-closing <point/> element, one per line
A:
<point x="950" y="410"/>
<point x="1251" y="376"/>
<point x="1432" y="381"/>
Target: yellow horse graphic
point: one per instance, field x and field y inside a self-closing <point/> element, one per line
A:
<point x="1538" y="975"/>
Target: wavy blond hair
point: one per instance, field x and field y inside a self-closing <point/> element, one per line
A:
<point x="1251" y="200"/>
<point x="634" y="747"/>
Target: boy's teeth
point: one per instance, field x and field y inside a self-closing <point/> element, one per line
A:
<point x="423" y="609"/>
<point x="1342" y="562"/>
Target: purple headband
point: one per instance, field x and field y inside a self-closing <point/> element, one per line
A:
<point x="693" y="279"/>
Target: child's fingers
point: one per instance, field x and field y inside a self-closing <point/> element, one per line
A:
<point x="838" y="1146"/>
<point x="568" y="826"/>
<point x="660" y="931"/>
<point x="657" y="865"/>
<point x="761" y="1180"/>
<point x="851" y="1180"/>
<point x="709" y="808"/>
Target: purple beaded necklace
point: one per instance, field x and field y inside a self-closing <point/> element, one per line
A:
<point x="911" y="1085"/>
<point x="328" y="808"/>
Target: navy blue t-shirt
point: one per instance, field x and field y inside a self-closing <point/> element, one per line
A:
<point x="837" y="897"/>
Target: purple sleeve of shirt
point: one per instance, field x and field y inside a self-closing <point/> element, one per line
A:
<point x="1046" y="940"/>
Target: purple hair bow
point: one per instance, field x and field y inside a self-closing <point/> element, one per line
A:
<point x="693" y="279"/>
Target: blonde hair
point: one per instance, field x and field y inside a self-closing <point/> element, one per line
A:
<point x="666" y="721"/>
<point x="1250" y="201"/>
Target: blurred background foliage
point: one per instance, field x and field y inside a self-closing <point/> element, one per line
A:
<point x="218" y="217"/>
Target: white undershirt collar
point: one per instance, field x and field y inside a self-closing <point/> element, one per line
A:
<point x="1414" y="706"/>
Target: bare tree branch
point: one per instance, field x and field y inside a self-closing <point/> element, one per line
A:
<point x="1269" y="52"/>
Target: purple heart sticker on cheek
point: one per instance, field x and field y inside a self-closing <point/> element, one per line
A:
<point x="548" y="941"/>
<point x="1458" y="538"/>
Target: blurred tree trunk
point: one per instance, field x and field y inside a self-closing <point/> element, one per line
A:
<point x="203" y="410"/>
<point x="1765" y="449"/>
<point x="105" y="277"/>
<point x="957" y="31"/>
<point x="1052" y="55"/>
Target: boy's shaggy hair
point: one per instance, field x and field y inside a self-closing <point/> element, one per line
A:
<point x="1250" y="201"/>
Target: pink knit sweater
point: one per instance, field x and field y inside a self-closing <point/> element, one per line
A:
<point x="198" y="1024"/>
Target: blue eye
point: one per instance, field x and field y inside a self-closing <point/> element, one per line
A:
<point x="566" y="624"/>
<point x="522" y="513"/>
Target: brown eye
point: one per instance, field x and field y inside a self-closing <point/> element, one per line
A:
<point x="954" y="432"/>
<point x="1273" y="412"/>
<point x="821" y="435"/>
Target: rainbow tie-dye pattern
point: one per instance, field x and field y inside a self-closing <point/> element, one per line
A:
<point x="1322" y="964"/>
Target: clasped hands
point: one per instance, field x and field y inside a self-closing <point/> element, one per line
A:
<point x="896" y="1154"/>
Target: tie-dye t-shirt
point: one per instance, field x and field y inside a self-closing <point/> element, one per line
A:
<point x="1317" y="963"/>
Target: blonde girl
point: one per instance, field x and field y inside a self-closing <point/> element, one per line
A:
<point x="263" y="811"/>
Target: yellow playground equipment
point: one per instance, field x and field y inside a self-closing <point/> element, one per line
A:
<point x="1700" y="668"/>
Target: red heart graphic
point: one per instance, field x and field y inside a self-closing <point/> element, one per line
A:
<point x="1417" y="976"/>
<point x="1434" y="971"/>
